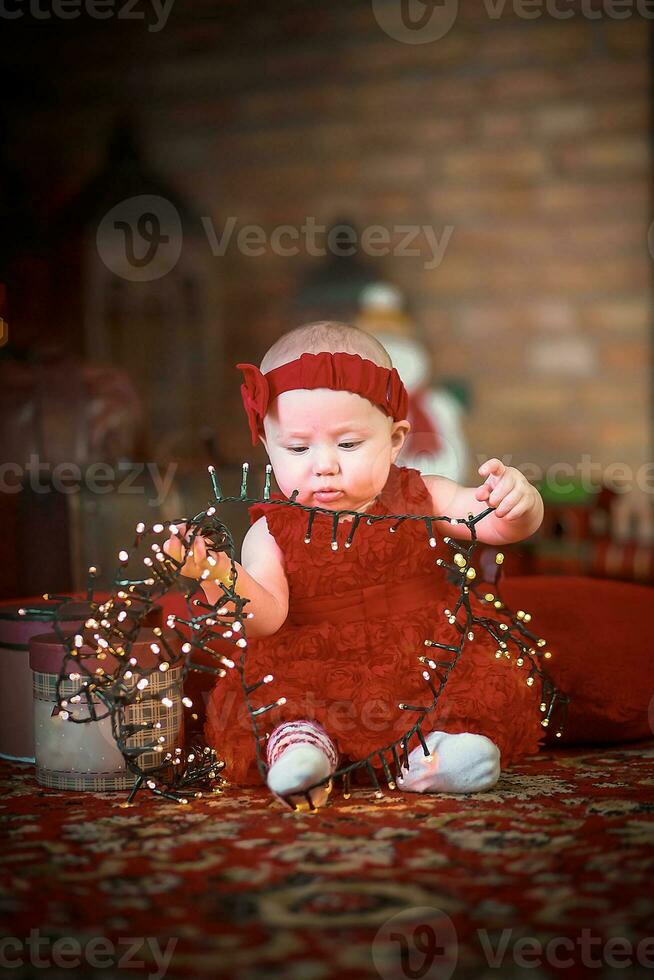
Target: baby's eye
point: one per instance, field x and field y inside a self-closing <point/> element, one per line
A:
<point x="297" y="449"/>
<point x="349" y="445"/>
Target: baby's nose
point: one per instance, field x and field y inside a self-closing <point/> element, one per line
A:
<point x="326" y="461"/>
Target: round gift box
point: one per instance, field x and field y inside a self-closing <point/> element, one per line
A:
<point x="83" y="755"/>
<point x="16" y="631"/>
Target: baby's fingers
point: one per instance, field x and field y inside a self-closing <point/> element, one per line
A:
<point x="173" y="548"/>
<point x="492" y="467"/>
<point x="508" y="504"/>
<point x="503" y="488"/>
<point x="493" y="471"/>
<point x="483" y="492"/>
<point x="199" y="549"/>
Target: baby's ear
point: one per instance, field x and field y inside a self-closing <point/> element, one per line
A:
<point x="399" y="432"/>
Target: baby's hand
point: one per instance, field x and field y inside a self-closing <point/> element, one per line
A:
<point x="506" y="489"/>
<point x="198" y="563"/>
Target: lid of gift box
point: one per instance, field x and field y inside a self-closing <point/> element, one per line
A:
<point x="47" y="652"/>
<point x="16" y="630"/>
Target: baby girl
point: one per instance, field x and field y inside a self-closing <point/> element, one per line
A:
<point x="339" y="629"/>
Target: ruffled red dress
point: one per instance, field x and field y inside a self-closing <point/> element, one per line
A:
<point x="347" y="654"/>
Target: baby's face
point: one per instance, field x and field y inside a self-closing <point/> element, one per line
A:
<point x="321" y="439"/>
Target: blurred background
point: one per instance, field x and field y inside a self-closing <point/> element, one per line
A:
<point x="180" y="184"/>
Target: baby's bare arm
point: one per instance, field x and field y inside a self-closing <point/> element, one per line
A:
<point x="519" y="506"/>
<point x="262" y="561"/>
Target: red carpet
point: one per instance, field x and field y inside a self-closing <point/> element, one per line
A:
<point x="235" y="886"/>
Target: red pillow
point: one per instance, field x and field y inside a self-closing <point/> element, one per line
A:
<point x="601" y="635"/>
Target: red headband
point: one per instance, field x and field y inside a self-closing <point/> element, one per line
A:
<point x="340" y="372"/>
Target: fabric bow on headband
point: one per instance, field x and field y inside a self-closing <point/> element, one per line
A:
<point x="340" y="372"/>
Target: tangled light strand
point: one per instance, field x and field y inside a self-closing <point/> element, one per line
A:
<point x="437" y="672"/>
<point x="120" y="617"/>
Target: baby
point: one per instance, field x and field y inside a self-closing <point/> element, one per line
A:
<point x="333" y="425"/>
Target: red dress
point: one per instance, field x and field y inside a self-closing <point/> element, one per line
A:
<point x="348" y="651"/>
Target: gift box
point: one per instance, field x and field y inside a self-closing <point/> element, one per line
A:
<point x="72" y="753"/>
<point x="16" y="630"/>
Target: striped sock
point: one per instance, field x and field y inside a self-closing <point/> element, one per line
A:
<point x="299" y="754"/>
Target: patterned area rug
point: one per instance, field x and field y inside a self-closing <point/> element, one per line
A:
<point x="548" y="874"/>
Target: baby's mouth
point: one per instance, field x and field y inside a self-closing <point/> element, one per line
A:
<point x="327" y="494"/>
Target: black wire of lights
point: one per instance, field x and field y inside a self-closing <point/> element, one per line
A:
<point x="114" y="626"/>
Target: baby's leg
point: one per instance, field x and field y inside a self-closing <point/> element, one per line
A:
<point x="463" y="763"/>
<point x="300" y="753"/>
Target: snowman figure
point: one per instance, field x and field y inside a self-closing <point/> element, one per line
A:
<point x="436" y="443"/>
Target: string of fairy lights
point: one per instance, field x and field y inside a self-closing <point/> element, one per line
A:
<point x="111" y="630"/>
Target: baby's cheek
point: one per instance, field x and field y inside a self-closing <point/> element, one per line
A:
<point x="280" y="474"/>
<point x="288" y="478"/>
<point x="377" y="467"/>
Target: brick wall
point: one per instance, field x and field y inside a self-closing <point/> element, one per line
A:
<point x="529" y="137"/>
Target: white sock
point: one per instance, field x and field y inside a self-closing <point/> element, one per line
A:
<point x="463" y="763"/>
<point x="300" y="754"/>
